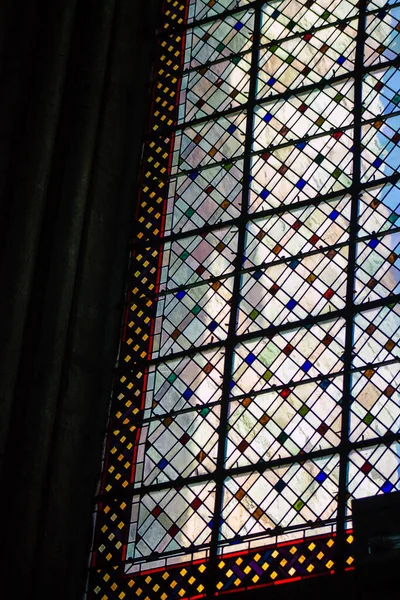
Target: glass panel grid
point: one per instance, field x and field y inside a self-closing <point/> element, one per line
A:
<point x="256" y="391"/>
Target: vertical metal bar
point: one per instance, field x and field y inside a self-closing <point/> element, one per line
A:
<point x="348" y="313"/>
<point x="230" y="344"/>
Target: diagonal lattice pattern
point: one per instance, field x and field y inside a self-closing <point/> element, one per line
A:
<point x="268" y="199"/>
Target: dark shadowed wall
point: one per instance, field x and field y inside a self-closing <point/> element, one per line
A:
<point x="73" y="101"/>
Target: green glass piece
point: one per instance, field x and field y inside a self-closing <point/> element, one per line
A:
<point x="184" y="255"/>
<point x="196" y="309"/>
<point x="189" y="212"/>
<point x="291" y="25"/>
<point x="336" y="173"/>
<point x="204" y="412"/>
<point x="267" y="375"/>
<point x="269" y="354"/>
<point x="338" y="97"/>
<point x="368" y="419"/>
<point x="393" y="217"/>
<point x="304" y="410"/>
<point x="282" y="437"/>
<point x="396" y="99"/>
<point x="220" y="47"/>
<point x="299" y="504"/>
<point x="289" y="60"/>
<point x="236" y="60"/>
<point x="254" y="314"/>
<point x="326" y="14"/>
<point x="319" y="158"/>
<point x="171" y="378"/>
<point x="228" y="166"/>
<point x="274" y="48"/>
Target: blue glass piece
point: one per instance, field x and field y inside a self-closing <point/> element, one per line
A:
<point x="325" y="383"/>
<point x="341" y="60"/>
<point x="238" y="26"/>
<point x="162" y="464"/>
<point x="301" y="145"/>
<point x="377" y="163"/>
<point x="291" y="304"/>
<point x="373" y="243"/>
<point x="221" y="522"/>
<point x="231" y="128"/>
<point x="275" y="14"/>
<point x="257" y="274"/>
<point x="267" y="117"/>
<point x="301" y="183"/>
<point x="387" y="487"/>
<point x="306" y="366"/>
<point x="264" y="194"/>
<point x="250" y="358"/>
<point x="213" y="326"/>
<point x="180" y="295"/>
<point x="232" y="385"/>
<point x="193" y="175"/>
<point x="280" y="486"/>
<point x="187" y="394"/>
<point x="271" y="81"/>
<point x="295" y="263"/>
<point x="321" y="477"/>
<point x="334" y="215"/>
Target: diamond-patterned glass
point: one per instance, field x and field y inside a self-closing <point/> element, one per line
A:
<point x="256" y="386"/>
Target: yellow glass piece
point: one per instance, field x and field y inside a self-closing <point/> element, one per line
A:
<point x="192" y="580"/>
<point x="229" y="573"/>
<point x="320" y="555"/>
<point x="165" y="576"/>
<point x="200" y="588"/>
<point x="350" y="539"/>
<point x="283" y="562"/>
<point x="257" y="557"/>
<point x="220" y="585"/>
<point x="265" y="566"/>
<point x="292" y="571"/>
<point x="221" y="564"/>
<point x="139" y="591"/>
<point x="237" y="582"/>
<point x="247" y="570"/>
<point x="293" y="550"/>
<point x="164" y="596"/>
<point x="202" y="568"/>
<point x="114" y="587"/>
<point x="275" y="554"/>
<point x="239" y="561"/>
<point x="274" y="575"/>
<point x="181" y="592"/>
<point x="330" y="543"/>
<point x="131" y="582"/>
<point x="350" y="560"/>
<point x="311" y="546"/>
<point x="122" y="595"/>
<point x="156" y="587"/>
<point x="255" y="578"/>
<point x="302" y="559"/>
<point x="330" y="564"/>
<point x="173" y="583"/>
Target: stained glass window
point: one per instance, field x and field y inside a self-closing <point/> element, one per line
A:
<point x="256" y="388"/>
